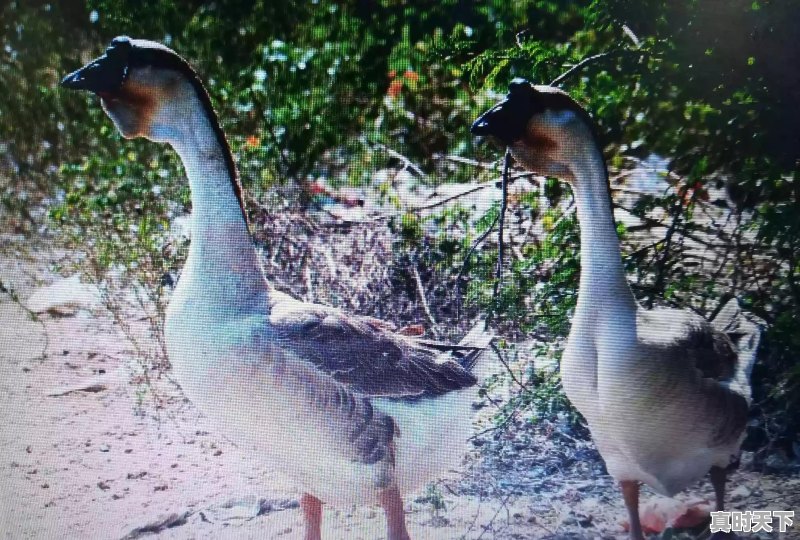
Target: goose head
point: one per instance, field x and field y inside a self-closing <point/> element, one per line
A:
<point x="146" y="89"/>
<point x="547" y="131"/>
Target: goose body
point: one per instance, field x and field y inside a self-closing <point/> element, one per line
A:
<point x="350" y="411"/>
<point x="665" y="422"/>
<point x="665" y="393"/>
<point x="343" y="446"/>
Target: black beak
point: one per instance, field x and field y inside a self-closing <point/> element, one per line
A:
<point x="94" y="77"/>
<point x="507" y="120"/>
<point x="492" y="122"/>
<point x="105" y="73"/>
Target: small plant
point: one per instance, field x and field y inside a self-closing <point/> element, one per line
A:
<point x="14" y="297"/>
<point x="434" y="500"/>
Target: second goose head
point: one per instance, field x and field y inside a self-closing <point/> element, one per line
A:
<point x="548" y="132"/>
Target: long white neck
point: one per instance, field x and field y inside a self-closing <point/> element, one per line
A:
<point x="602" y="284"/>
<point x="222" y="258"/>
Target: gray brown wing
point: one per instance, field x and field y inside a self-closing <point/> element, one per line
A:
<point x="715" y="358"/>
<point x="363" y="355"/>
<point x="712" y="352"/>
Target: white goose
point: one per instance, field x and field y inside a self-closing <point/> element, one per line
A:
<point x="351" y="411"/>
<point x="665" y="392"/>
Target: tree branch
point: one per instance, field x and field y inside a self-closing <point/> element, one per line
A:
<point x="468" y="256"/>
<point x="589" y="60"/>
<point x="508" y="368"/>
<point x="577" y="67"/>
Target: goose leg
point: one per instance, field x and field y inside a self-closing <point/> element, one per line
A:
<point x="630" y="493"/>
<point x="312" y="512"/>
<point x="718" y="477"/>
<point x="392" y="503"/>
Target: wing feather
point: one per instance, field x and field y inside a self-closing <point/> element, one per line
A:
<point x="363" y="353"/>
<point x="711" y="364"/>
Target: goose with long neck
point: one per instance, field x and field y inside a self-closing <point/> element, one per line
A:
<point x="665" y="392"/>
<point x="349" y="410"/>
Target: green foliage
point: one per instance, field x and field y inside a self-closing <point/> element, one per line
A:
<point x="537" y="291"/>
<point x="541" y="397"/>
<point x="33" y="119"/>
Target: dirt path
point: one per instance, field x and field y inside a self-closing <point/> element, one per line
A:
<point x="82" y="456"/>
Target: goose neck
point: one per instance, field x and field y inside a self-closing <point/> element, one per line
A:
<point x="221" y="248"/>
<point x="602" y="284"/>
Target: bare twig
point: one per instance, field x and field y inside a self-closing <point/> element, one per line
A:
<point x="658" y="287"/>
<point x="591" y="59"/>
<point x="724" y="239"/>
<point x="643" y="249"/>
<point x="423" y="300"/>
<point x="466" y="161"/>
<point x="446" y="200"/>
<point x="407" y="163"/>
<point x="508" y="368"/>
<point x="578" y="66"/>
<point x="501" y="224"/>
<point x="511" y="179"/>
<point x="491" y="521"/>
<point x="474" y="518"/>
<point x="629" y="191"/>
<point x="566" y="214"/>
<point x="341" y="222"/>
<point x="467" y="258"/>
<point x="502" y="425"/>
<point x="12" y="294"/>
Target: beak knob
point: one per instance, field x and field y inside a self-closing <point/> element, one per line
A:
<point x="507" y="120"/>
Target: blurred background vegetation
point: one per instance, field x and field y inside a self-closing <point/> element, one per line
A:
<point x="335" y="94"/>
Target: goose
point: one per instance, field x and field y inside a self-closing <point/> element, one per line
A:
<point x="352" y="412"/>
<point x="665" y="393"/>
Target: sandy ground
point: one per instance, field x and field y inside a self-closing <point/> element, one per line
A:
<point x="83" y="454"/>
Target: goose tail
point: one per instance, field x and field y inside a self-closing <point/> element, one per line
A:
<point x="469" y="351"/>
<point x="479" y="338"/>
<point x="744" y="330"/>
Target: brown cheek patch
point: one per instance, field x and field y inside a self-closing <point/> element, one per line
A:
<point x="538" y="139"/>
<point x="144" y="101"/>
